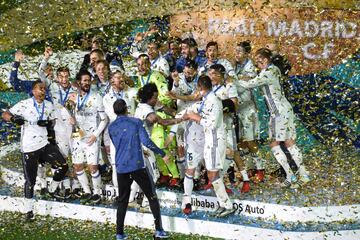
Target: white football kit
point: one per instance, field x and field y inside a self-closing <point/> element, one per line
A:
<point x="91" y="118"/>
<point x="142" y="112"/>
<point x="247" y="111"/>
<point x="33" y="137"/>
<point x="281" y="126"/>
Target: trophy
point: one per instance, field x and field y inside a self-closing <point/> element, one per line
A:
<point x="77" y="132"/>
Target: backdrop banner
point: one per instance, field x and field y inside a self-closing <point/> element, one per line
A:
<point x="312" y="39"/>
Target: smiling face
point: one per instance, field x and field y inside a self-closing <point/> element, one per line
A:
<point x="63" y="79"/>
<point x="118" y="81"/>
<point x="240" y="54"/>
<point x="215" y="76"/>
<point x="189" y="73"/>
<point x="102" y="71"/>
<point x="212" y="53"/>
<point x="85" y="83"/>
<point x="39" y="91"/>
<point x="261" y="62"/>
<point x="152" y="51"/>
<point x="143" y="65"/>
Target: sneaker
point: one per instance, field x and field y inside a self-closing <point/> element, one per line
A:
<point x="304" y="179"/>
<point x="226" y="212"/>
<point x="259" y="176"/>
<point x="95" y="199"/>
<point x="121" y="236"/>
<point x="85" y="198"/>
<point x="187" y="210"/>
<point x="245" y="187"/>
<point x="43" y="192"/>
<point x="217" y="211"/>
<point x="67" y="194"/>
<point x="229" y="191"/>
<point x="163" y="180"/>
<point x="207" y="186"/>
<point x="29" y="216"/>
<point x="76" y="193"/>
<point x="289" y="182"/>
<point x="58" y="195"/>
<point x="174" y="183"/>
<point x="160" y="234"/>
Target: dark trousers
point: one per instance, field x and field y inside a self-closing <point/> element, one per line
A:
<point x="141" y="177"/>
<point x="47" y="154"/>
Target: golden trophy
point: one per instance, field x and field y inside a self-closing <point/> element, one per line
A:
<point x="77" y="132"/>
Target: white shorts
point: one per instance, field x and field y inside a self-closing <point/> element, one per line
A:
<point x="150" y="162"/>
<point x="249" y="123"/>
<point x="194" y="144"/>
<point x="282" y="127"/>
<point x="83" y="153"/>
<point x="214" y="151"/>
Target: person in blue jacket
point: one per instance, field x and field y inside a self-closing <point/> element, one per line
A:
<point x="128" y="135"/>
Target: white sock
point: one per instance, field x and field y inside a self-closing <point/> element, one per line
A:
<point x="41" y="174"/>
<point x="282" y="160"/>
<point x="221" y="194"/>
<point x="96" y="181"/>
<point x="135" y="188"/>
<point x="244" y="175"/>
<point x="114" y="177"/>
<point x="298" y="159"/>
<point x="259" y="162"/>
<point x="66" y="183"/>
<point x="188" y="185"/>
<point x="84" y="181"/>
<point x="53" y="186"/>
<point x="75" y="183"/>
<point x="181" y="166"/>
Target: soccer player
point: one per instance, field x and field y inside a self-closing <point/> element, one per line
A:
<point x="128" y="136"/>
<point x="212" y="57"/>
<point x="247" y="111"/>
<point x="91" y="120"/>
<point x="158" y="62"/>
<point x="281" y="125"/>
<point x="118" y="90"/>
<point x="36" y="115"/>
<point x="189" y="51"/>
<point x="209" y="114"/>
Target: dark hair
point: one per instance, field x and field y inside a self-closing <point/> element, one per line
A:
<point x="143" y="55"/>
<point x="265" y="53"/>
<point x="35" y="83"/>
<point x="191" y="64"/>
<point x="219" y="68"/>
<point x="62" y="69"/>
<point x="153" y="41"/>
<point x="210" y="44"/>
<point x="246" y="45"/>
<point x="99" y="52"/>
<point x="82" y="73"/>
<point x="205" y="82"/>
<point x="190" y="42"/>
<point x="147" y="92"/>
<point x="175" y="40"/>
<point x="120" y="107"/>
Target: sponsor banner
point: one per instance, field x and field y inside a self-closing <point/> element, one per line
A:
<point x="313" y="40"/>
<point x="173" y="224"/>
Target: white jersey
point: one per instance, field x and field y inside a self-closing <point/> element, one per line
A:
<point x="142" y="111"/>
<point x="101" y="88"/>
<point x="227" y="65"/>
<point x="161" y="65"/>
<point x="128" y="95"/>
<point x="185" y="88"/>
<point x="247" y="69"/>
<point x="269" y="81"/>
<point x="89" y="113"/>
<point x="33" y="137"/>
